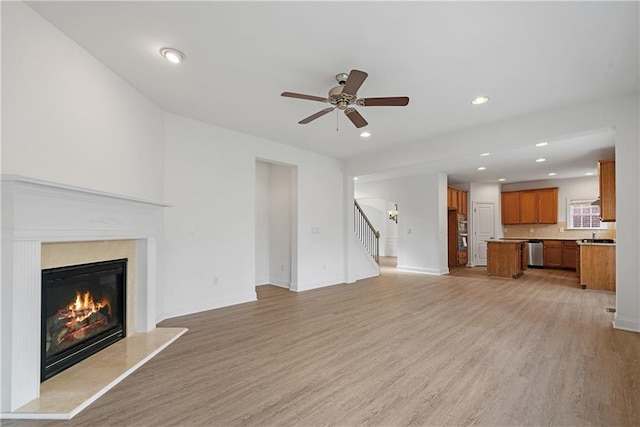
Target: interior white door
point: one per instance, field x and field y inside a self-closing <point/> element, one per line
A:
<point x="483" y="229"/>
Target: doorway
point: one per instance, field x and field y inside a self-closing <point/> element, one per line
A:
<point x="275" y="224"/>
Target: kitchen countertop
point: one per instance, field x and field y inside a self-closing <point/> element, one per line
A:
<point x="507" y="240"/>
<point x="581" y="243"/>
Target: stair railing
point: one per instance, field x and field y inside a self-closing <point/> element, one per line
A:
<point x="366" y="232"/>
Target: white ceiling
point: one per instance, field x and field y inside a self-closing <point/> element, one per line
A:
<point x="526" y="56"/>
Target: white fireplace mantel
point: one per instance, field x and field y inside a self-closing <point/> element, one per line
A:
<point x="36" y="211"/>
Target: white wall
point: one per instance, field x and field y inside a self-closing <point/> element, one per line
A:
<point x="587" y="187"/>
<point x="211" y="231"/>
<point x="67" y="118"/>
<point x="422" y="219"/>
<point x="262" y="223"/>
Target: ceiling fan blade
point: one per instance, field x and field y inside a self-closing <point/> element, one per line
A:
<point x="397" y="101"/>
<point x="355" y="118"/>
<point x="303" y="96"/>
<point x="355" y="80"/>
<point x="316" y="115"/>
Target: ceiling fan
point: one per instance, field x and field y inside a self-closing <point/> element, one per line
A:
<point x="344" y="95"/>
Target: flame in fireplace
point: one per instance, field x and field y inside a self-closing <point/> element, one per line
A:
<point x="82" y="308"/>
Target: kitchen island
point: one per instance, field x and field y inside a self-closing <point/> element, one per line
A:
<point x="597" y="265"/>
<point x="507" y="258"/>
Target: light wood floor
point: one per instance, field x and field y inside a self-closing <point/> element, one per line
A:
<point x="400" y="349"/>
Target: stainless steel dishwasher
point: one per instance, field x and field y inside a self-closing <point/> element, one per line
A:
<point x="536" y="254"/>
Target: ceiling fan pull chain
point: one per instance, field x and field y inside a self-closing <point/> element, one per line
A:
<point x="337" y="120"/>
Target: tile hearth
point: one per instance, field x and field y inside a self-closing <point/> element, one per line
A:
<point x="69" y="392"/>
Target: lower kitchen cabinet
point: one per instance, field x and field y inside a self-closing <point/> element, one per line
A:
<point x="507" y="258"/>
<point x="569" y="254"/>
<point x="598" y="267"/>
<point x="463" y="258"/>
<point x="552" y="253"/>
<point x="560" y="253"/>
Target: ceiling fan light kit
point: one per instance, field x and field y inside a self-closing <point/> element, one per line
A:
<point x="346" y="94"/>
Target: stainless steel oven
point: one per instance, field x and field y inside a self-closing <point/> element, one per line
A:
<point x="463" y="242"/>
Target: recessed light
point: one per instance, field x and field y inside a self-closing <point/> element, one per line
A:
<point x="355" y="178"/>
<point x="502" y="179"/>
<point x="480" y="100"/>
<point x="541" y="160"/>
<point x="365" y="134"/>
<point x="173" y="55"/>
<point x="552" y="174"/>
<point x="541" y="144"/>
<point x="589" y="173"/>
<point x="481" y="168"/>
<point x="485" y="154"/>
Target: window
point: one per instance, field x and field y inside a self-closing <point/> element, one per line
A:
<point x="581" y="214"/>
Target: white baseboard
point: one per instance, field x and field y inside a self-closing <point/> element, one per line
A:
<point x="208" y="305"/>
<point x="626" y="323"/>
<point x="420" y="270"/>
<point x="279" y="283"/>
<point x="320" y="284"/>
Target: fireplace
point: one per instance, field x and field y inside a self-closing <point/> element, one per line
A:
<point x="83" y="311"/>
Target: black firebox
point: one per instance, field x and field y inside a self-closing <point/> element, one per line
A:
<point x="83" y="311"/>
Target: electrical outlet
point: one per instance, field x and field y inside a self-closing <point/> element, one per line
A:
<point x="562" y="229"/>
<point x="531" y="230"/>
<point x="214" y="281"/>
<point x="191" y="230"/>
<point x="409" y="230"/>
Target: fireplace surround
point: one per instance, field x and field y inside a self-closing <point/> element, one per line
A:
<point x="35" y="213"/>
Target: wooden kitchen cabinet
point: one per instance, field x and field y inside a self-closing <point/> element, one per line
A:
<point x="507" y="258"/>
<point x="607" y="181"/>
<point x="552" y="253"/>
<point x="569" y="254"/>
<point x="528" y="207"/>
<point x="462" y="202"/>
<point x="598" y="267"/>
<point x="560" y="254"/>
<point x="457" y="199"/>
<point x="452" y="198"/>
<point x="547" y="206"/>
<point x="511" y="207"/>
<point x="463" y="258"/>
<point x="539" y="206"/>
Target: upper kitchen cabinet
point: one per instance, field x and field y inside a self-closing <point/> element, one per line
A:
<point x="607" y="178"/>
<point x="511" y="207"/>
<point x="457" y="199"/>
<point x="539" y="206"/>
<point x="529" y="207"/>
<point x="548" y="205"/>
